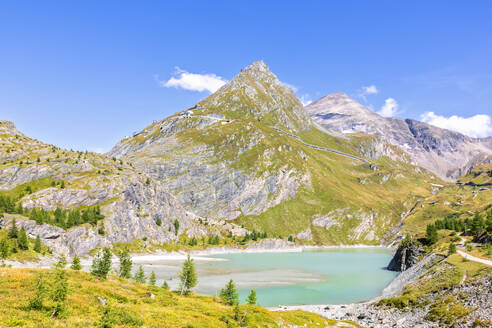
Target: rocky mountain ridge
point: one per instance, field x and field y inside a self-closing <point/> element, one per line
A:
<point x="446" y="153"/>
<point x="250" y="150"/>
<point x="248" y="157"/>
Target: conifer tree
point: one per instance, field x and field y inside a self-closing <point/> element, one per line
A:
<point x="37" y="244"/>
<point x="22" y="240"/>
<point x="188" y="276"/>
<point x="14" y="246"/>
<point x="140" y="275"/>
<point x="36" y="302"/>
<point x="76" y="263"/>
<point x="13" y="232"/>
<point x="229" y="293"/>
<point x="125" y="264"/>
<point x="251" y="299"/>
<point x="61" y="263"/>
<point x="101" y="264"/>
<point x="431" y="234"/>
<point x="60" y="292"/>
<point x="152" y="279"/>
<point x="176" y="227"/>
<point x="165" y="285"/>
<point x="4" y="248"/>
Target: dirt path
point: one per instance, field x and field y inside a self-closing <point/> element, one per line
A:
<point x="473" y="258"/>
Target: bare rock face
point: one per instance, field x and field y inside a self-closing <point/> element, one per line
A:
<point x="131" y="202"/>
<point x="447" y="154"/>
<point x="406" y="256"/>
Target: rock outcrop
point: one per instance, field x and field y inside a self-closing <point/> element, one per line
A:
<point x="406" y="256"/>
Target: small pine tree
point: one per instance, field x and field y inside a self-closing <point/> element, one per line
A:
<point x="125" y="264"/>
<point x="431" y="234"/>
<point x="106" y="321"/>
<point x="165" y="285"/>
<point x="22" y="240"/>
<point x="176" y="227"/>
<point x="36" y="302"/>
<point x="4" y="248"/>
<point x="229" y="293"/>
<point x="13" y="232"/>
<point x="188" y="276"/>
<point x="158" y="221"/>
<point x="60" y="292"/>
<point x="251" y="299"/>
<point x="140" y="275"/>
<point x="152" y="279"/>
<point x="477" y="224"/>
<point x="61" y="263"/>
<point x="76" y="263"/>
<point x="101" y="264"/>
<point x="14" y="246"/>
<point x="451" y="249"/>
<point x="37" y="244"/>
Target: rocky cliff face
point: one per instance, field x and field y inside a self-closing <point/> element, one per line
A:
<point x="130" y="201"/>
<point x="446" y="153"/>
<point x="406" y="256"/>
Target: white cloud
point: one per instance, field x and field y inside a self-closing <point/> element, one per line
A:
<point x="305" y="100"/>
<point x="195" y="82"/>
<point x="367" y="91"/>
<point x="477" y="126"/>
<point x="390" y="108"/>
<point x="370" y="90"/>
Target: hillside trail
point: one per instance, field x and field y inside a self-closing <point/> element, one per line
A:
<point x="469" y="256"/>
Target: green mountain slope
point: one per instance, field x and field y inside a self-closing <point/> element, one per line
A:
<point x="226" y="159"/>
<point x="130" y="304"/>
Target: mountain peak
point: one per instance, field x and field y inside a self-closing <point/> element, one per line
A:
<point x="257" y="92"/>
<point x="258" y="65"/>
<point x="340" y="104"/>
<point x="8" y="126"/>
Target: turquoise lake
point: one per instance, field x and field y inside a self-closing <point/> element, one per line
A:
<point x="331" y="276"/>
<point x="336" y="276"/>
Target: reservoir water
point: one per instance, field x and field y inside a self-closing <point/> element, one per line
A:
<point x="331" y="276"/>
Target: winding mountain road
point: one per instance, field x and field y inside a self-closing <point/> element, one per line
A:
<point x="321" y="148"/>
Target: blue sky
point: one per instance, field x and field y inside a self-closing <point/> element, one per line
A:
<point x="83" y="75"/>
